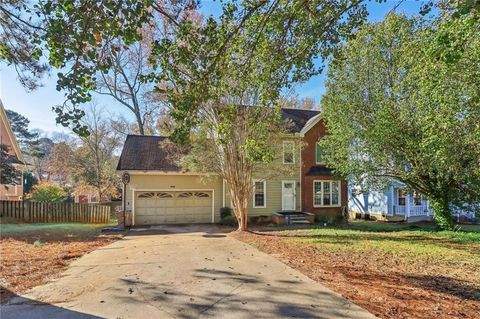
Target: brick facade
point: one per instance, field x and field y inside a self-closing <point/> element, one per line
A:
<point x="308" y="162"/>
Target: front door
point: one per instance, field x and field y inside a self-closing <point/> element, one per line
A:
<point x="288" y="195"/>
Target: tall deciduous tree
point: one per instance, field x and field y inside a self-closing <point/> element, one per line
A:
<point x="402" y="102"/>
<point x="94" y="159"/>
<point x="17" y="45"/>
<point x="60" y="164"/>
<point x="123" y="82"/>
<point x="223" y="77"/>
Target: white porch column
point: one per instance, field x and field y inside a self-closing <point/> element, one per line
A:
<point x="392" y="201"/>
<point x="407" y="206"/>
<point x="428" y="207"/>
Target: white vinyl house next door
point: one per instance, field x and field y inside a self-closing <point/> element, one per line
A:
<point x="173" y="207"/>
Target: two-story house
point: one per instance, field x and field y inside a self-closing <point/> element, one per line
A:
<point x="7" y="138"/>
<point x="396" y="203"/>
<point x="160" y="192"/>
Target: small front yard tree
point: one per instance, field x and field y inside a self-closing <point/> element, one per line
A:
<point x="223" y="77"/>
<point x="402" y="102"/>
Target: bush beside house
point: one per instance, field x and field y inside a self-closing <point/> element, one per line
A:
<point x="48" y="193"/>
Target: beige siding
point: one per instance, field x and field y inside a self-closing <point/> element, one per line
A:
<point x="280" y="172"/>
<point x="273" y="176"/>
<point x="175" y="183"/>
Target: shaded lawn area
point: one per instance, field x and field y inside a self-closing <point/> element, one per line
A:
<point x="33" y="254"/>
<point x="392" y="270"/>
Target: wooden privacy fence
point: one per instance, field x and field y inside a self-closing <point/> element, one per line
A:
<point x="37" y="212"/>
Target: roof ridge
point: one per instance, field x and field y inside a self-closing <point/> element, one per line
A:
<point x="140" y="135"/>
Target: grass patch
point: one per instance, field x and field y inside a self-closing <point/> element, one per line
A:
<point x="410" y="244"/>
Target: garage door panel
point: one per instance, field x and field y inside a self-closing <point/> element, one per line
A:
<point x="173" y="207"/>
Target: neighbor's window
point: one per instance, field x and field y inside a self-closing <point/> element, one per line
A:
<point x="318" y="152"/>
<point x="417" y="199"/>
<point x="402" y="196"/>
<point x="288" y="153"/>
<point x="259" y="194"/>
<point x="326" y="193"/>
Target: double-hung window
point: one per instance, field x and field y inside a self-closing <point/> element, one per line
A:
<point x="402" y="197"/>
<point x="259" y="194"/>
<point x="417" y="199"/>
<point x="326" y="193"/>
<point x="288" y="153"/>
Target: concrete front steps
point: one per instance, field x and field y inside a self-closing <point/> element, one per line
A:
<point x="293" y="218"/>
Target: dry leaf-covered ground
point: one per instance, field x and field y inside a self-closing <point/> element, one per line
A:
<point x="32" y="254"/>
<point x="394" y="271"/>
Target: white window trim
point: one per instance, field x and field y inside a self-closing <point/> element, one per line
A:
<point x="329" y="181"/>
<point x="293" y="152"/>
<point x="415" y="194"/>
<point x="398" y="197"/>
<point x="316" y="157"/>
<point x="264" y="193"/>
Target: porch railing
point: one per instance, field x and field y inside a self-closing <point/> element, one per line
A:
<point x="409" y="211"/>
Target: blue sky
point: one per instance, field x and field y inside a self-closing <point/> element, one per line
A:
<point x="37" y="105"/>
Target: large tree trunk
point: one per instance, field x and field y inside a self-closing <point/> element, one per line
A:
<point x="138" y="117"/>
<point x="240" y="209"/>
<point x="442" y="212"/>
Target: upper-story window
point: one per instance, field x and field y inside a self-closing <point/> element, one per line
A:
<point x="318" y="154"/>
<point x="259" y="194"/>
<point x="288" y="153"/>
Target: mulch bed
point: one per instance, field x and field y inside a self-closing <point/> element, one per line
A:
<point x="24" y="265"/>
<point x="381" y="285"/>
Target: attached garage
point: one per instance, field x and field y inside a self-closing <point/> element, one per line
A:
<point x="159" y="191"/>
<point x="173" y="207"/>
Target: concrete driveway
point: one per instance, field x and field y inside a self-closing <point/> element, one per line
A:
<point x="180" y="272"/>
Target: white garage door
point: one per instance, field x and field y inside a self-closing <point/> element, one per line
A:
<point x="161" y="207"/>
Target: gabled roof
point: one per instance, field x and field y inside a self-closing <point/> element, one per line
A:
<point x="12" y="139"/>
<point x="311" y="123"/>
<point x="298" y="118"/>
<point x="155" y="153"/>
<point x="148" y="153"/>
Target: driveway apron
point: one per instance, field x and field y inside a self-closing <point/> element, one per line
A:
<point x="180" y="272"/>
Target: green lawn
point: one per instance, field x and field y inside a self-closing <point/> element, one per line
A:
<point x="411" y="246"/>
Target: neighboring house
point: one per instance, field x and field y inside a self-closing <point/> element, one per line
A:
<point x="161" y="192"/>
<point x="85" y="195"/>
<point x="396" y="203"/>
<point x="11" y="192"/>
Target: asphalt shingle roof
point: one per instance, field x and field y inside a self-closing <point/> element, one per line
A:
<point x="155" y="153"/>
<point x="148" y="153"/>
<point x="297" y="118"/>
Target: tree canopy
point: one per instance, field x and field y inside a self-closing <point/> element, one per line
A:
<point x="402" y="102"/>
